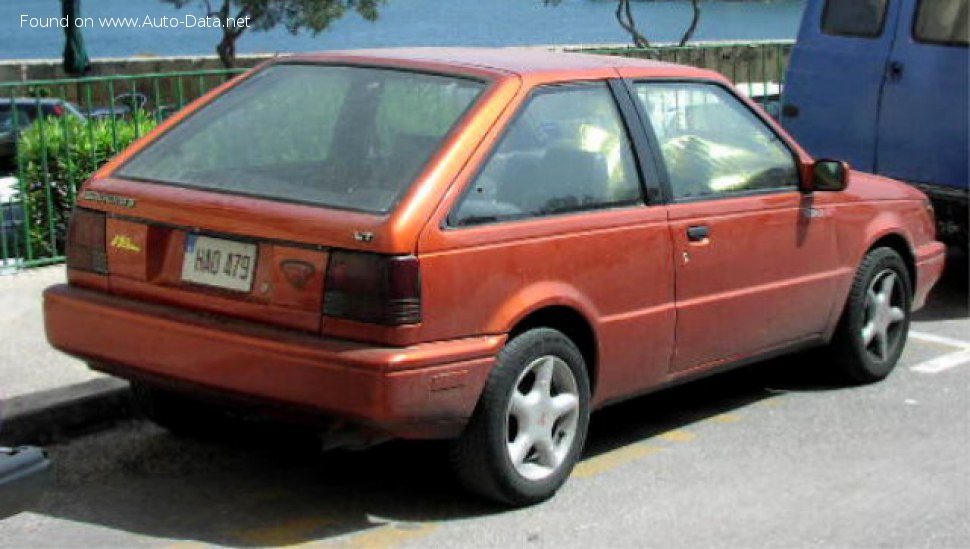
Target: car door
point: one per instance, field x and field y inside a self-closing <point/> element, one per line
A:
<point x="755" y="259"/>
<point x="923" y="121"/>
<point x="834" y="81"/>
<point x="552" y="213"/>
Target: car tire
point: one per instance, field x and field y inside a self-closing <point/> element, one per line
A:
<point x="181" y="415"/>
<point x="529" y="426"/>
<point x="875" y="322"/>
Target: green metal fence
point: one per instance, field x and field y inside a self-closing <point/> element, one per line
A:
<point x="55" y="133"/>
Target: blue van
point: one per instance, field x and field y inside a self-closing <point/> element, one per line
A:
<point x="883" y="85"/>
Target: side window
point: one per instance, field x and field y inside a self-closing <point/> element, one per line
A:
<point x="942" y="22"/>
<point x="860" y="18"/>
<point x="567" y="150"/>
<point x="711" y="143"/>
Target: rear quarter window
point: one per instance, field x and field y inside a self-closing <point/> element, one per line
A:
<point x="855" y="18"/>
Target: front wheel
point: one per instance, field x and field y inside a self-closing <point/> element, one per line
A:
<point x="874" y="325"/>
<point x="530" y="424"/>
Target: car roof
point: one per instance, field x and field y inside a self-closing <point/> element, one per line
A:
<point x="521" y="61"/>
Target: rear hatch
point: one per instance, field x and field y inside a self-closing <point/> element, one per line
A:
<point x="253" y="205"/>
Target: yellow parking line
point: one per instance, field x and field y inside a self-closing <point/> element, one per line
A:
<point x="386" y="536"/>
<point x="725" y="418"/>
<point x="615" y="458"/>
<point x="677" y="435"/>
<point x="289" y="533"/>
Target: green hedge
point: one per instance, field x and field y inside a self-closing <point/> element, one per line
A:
<point x="56" y="155"/>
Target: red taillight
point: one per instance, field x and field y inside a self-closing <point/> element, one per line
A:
<point x="58" y="110"/>
<point x="86" y="247"/>
<point x="373" y="288"/>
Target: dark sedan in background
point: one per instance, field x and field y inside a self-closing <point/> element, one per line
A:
<point x="18" y="113"/>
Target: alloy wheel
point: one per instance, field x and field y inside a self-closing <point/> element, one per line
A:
<point x="884" y="314"/>
<point x="542" y="418"/>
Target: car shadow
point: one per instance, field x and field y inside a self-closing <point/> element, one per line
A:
<point x="949" y="298"/>
<point x="273" y="488"/>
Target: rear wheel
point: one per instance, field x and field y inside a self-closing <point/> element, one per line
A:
<point x="530" y="424"/>
<point x="874" y="325"/>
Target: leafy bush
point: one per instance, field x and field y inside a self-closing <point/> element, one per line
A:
<point x="55" y="156"/>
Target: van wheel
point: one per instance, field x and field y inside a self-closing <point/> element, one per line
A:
<point x="530" y="424"/>
<point x="181" y="415"/>
<point x="874" y="325"/>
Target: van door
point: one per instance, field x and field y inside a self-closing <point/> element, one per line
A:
<point x="923" y="123"/>
<point x="834" y="81"/>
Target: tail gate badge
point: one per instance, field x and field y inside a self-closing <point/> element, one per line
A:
<point x="297" y="272"/>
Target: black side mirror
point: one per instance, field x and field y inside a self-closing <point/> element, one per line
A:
<point x="829" y="175"/>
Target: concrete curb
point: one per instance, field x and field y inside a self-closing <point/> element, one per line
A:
<point x="46" y="416"/>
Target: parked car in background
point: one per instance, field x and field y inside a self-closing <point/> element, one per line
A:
<point x="20" y="112"/>
<point x="123" y="105"/>
<point x="11" y="224"/>
<point x="480" y="245"/>
<point x="884" y="85"/>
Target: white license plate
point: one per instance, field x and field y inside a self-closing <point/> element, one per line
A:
<point x="218" y="262"/>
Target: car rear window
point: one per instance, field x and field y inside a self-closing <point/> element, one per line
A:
<point x="337" y="136"/>
<point x="859" y="18"/>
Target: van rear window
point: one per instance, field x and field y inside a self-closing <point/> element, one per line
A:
<point x="858" y="18"/>
<point x="943" y="22"/>
<point x="338" y="136"/>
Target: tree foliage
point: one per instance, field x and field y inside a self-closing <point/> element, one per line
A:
<point x="314" y="16"/>
<point x="56" y="155"/>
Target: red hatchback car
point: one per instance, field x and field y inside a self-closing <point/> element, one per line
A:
<point x="477" y="244"/>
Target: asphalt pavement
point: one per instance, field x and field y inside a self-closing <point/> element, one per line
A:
<point x="773" y="455"/>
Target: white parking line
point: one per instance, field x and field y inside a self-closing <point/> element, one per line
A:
<point x="944" y="362"/>
<point x="933" y="338"/>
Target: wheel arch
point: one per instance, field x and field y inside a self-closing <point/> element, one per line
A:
<point x="900" y="245"/>
<point x="574" y="325"/>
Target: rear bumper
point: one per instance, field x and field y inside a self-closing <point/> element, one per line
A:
<point x="930" y="259"/>
<point x="423" y="391"/>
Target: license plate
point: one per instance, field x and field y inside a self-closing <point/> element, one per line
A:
<point x="218" y="262"/>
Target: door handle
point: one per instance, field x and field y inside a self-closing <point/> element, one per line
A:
<point x="895" y="70"/>
<point x="698" y="233"/>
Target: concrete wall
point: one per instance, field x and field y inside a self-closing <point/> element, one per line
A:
<point x="165" y="92"/>
<point x="49" y="69"/>
<point x="741" y="62"/>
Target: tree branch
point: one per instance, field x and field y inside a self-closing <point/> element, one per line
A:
<point x="624" y="16"/>
<point x="689" y="33"/>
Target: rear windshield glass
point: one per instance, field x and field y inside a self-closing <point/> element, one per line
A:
<point x="337" y="136"/>
<point x="943" y="22"/>
<point x="863" y="18"/>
